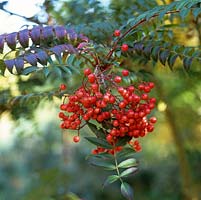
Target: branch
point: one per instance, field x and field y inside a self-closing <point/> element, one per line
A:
<point x="132" y="28"/>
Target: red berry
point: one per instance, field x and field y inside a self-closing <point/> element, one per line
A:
<point x="117" y="79"/>
<point x="117" y="33"/>
<point x="87" y="71"/>
<point x="151" y="85"/>
<point x="153" y="120"/>
<point x="76" y="138"/>
<point x="125" y="72"/>
<point x="91" y="78"/>
<point x="62" y="87"/>
<point x="124" y="47"/>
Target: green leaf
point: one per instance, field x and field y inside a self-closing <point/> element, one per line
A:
<point x="29" y="70"/>
<point x="127" y="191"/>
<point x="187" y="63"/>
<point x="196" y="12"/>
<point x="183" y="13"/>
<point x="99" y="162"/>
<point x="110" y="179"/>
<point x="171" y="60"/>
<point x="126" y="152"/>
<point x="155" y="52"/>
<point x="163" y="55"/>
<point x="99" y="142"/>
<point x="98" y="132"/>
<point x="131" y="162"/>
<point x="122" y="141"/>
<point x="2" y="67"/>
<point x="128" y="171"/>
<point x="46" y="71"/>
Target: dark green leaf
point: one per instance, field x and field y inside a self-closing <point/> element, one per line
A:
<point x="155" y="52"/>
<point x="29" y="70"/>
<point x="99" y="142"/>
<point x="46" y="71"/>
<point x="123" y="141"/>
<point x="2" y="67"/>
<point x="163" y="55"/>
<point x="101" y="163"/>
<point x="98" y="132"/>
<point x="128" y="171"/>
<point x="187" y="62"/>
<point x="183" y="13"/>
<point x="127" y="191"/>
<point x="131" y="162"/>
<point x="171" y="60"/>
<point x="196" y="12"/>
<point x="126" y="152"/>
<point x="110" y="179"/>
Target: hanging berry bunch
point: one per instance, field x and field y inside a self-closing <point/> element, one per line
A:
<point x="118" y="114"/>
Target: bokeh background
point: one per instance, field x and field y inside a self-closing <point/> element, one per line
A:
<point x="39" y="162"/>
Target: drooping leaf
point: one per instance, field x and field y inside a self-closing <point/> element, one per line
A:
<point x="163" y="55"/>
<point x="42" y="57"/>
<point x="35" y="34"/>
<point x="2" y="40"/>
<point x="127" y="191"/>
<point x="31" y="59"/>
<point x="11" y="40"/>
<point x="126" y="152"/>
<point x="99" y="142"/>
<point x="47" y="33"/>
<point x="9" y="65"/>
<point x="19" y="64"/>
<point x="187" y="63"/>
<point x="110" y="179"/>
<point x="171" y="60"/>
<point x="60" y="32"/>
<point x="131" y="162"/>
<point x="23" y="37"/>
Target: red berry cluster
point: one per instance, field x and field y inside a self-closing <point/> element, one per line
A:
<point x="123" y="109"/>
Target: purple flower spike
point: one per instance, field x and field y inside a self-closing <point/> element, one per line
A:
<point x="9" y="65"/>
<point x="23" y="38"/>
<point x="2" y="40"/>
<point x="19" y="64"/>
<point x="11" y="40"/>
<point x="35" y="34"/>
<point x="42" y="57"/>
<point x="31" y="59"/>
<point x="60" y="32"/>
<point x="47" y="32"/>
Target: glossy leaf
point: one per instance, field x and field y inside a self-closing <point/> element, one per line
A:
<point x="127" y="191"/>
<point x="131" y="162"/>
<point x="110" y="179"/>
<point x="99" y="142"/>
<point x="128" y="171"/>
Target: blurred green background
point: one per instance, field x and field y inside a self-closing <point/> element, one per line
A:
<point x="39" y="162"/>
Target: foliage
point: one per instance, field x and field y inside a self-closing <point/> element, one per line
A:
<point x="64" y="51"/>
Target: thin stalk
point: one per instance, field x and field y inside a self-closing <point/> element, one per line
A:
<point x="117" y="169"/>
